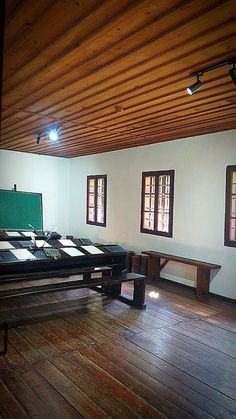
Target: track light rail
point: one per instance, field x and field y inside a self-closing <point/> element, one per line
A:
<point x="231" y="61"/>
<point x="199" y="73"/>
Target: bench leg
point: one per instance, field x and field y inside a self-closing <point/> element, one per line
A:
<point x="202" y="283"/>
<point x="139" y="293"/>
<point x="154" y="267"/>
<point x="4" y="327"/>
<point x="114" y="290"/>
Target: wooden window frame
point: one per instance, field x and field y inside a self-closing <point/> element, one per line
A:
<point x="228" y="194"/>
<point x="96" y="178"/>
<point x="157" y="174"/>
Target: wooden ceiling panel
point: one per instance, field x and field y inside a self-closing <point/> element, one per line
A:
<point x="113" y="74"/>
<point x="66" y="77"/>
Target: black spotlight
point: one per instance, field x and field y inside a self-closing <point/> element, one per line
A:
<point x="232" y="73"/>
<point x="38" y="138"/>
<point x="192" y="89"/>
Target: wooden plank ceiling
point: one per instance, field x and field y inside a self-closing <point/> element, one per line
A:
<point x="114" y="73"/>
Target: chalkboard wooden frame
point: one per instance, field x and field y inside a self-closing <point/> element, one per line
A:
<point x="18" y="209"/>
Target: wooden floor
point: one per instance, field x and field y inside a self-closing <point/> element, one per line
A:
<point x="84" y="355"/>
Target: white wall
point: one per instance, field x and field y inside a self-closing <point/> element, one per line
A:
<point x="43" y="174"/>
<point x="200" y="165"/>
<point x="199" y="204"/>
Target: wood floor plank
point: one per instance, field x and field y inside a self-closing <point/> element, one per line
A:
<point x="154" y="384"/>
<point x="105" y="398"/>
<point x="43" y="347"/>
<point x="223" y="320"/>
<point x="173" y="379"/>
<point x="127" y="351"/>
<point x="9" y="406"/>
<point x="81" y="378"/>
<point x="15" y="358"/>
<point x="87" y="321"/>
<point x="59" y="406"/>
<point x="209" y="378"/>
<point x="192" y="330"/>
<point x="27" y="398"/>
<point x="214" y="331"/>
<point x="104" y="372"/>
<point x="66" y="388"/>
<point x="26" y="349"/>
<point x="77" y="353"/>
<point x="214" y="357"/>
<point x="192" y="355"/>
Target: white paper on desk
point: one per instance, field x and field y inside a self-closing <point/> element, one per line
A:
<point x="96" y="275"/>
<point x="93" y="250"/>
<point x="28" y="233"/>
<point x="42" y="243"/>
<point x="72" y="251"/>
<point x="12" y="233"/>
<point x="22" y="254"/>
<point x="6" y="245"/>
<point x="67" y="242"/>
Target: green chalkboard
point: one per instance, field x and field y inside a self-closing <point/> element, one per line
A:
<point x="19" y="209"/>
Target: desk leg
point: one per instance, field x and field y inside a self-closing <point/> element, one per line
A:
<point x="4" y="327"/>
<point x="202" y="283"/>
<point x="154" y="267"/>
<point x="139" y="293"/>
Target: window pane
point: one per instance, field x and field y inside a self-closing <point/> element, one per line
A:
<point x="163" y="221"/>
<point x="232" y="229"/>
<point x="91" y="200"/>
<point x="149" y="203"/>
<point x="149" y="184"/>
<point x="91" y="214"/>
<point x="100" y="181"/>
<point x="233" y="206"/>
<point x="100" y="186"/>
<point x="148" y="220"/>
<point x="91" y="185"/>
<point x="100" y="215"/>
<point x="233" y="188"/>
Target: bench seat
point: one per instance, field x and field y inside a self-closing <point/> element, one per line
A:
<point x="203" y="269"/>
<point x="99" y="280"/>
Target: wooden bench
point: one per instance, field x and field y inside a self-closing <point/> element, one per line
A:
<point x="99" y="280"/>
<point x="203" y="269"/>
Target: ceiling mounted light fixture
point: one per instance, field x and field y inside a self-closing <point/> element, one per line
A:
<point x="38" y="137"/>
<point x="232" y="72"/>
<point x="52" y="134"/>
<point x="195" y="86"/>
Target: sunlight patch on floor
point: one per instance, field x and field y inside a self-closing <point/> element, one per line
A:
<point x="154" y="294"/>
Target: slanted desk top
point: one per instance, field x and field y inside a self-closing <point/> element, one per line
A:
<point x="23" y="258"/>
